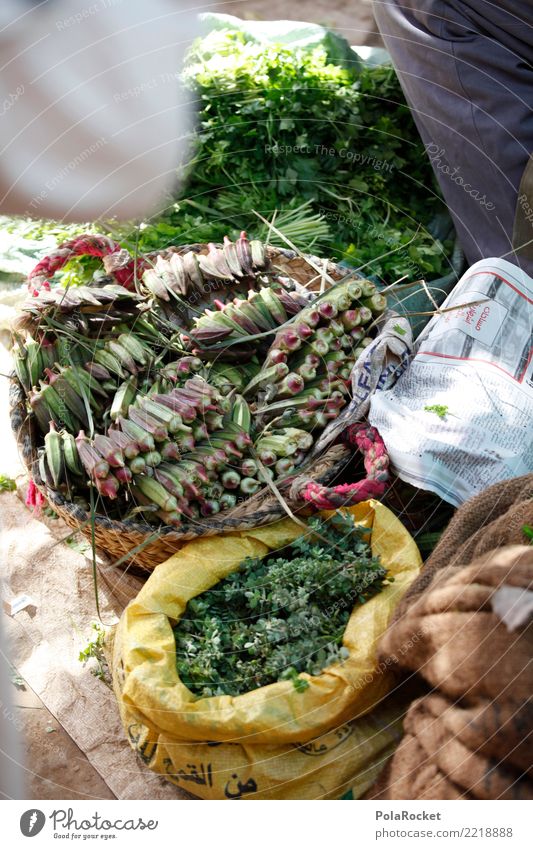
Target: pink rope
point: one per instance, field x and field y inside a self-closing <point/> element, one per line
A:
<point x="34" y="497"/>
<point x="85" y="245"/>
<point x="376" y="462"/>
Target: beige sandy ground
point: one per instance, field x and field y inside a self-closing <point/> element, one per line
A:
<point x="55" y="766"/>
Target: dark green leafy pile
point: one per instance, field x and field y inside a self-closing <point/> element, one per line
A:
<point x="275" y="618"/>
<point x="281" y="128"/>
<point x="324" y="147"/>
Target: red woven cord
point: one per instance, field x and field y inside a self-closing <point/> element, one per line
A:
<point x="125" y="276"/>
<point x="86" y="245"/>
<point x="376" y="462"/>
<point x="34" y="498"/>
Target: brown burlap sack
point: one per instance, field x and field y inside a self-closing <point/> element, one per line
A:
<point x="434" y="762"/>
<point x="469" y="736"/>
<point x="490" y="520"/>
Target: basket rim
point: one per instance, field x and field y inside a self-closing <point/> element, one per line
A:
<point x="208" y="526"/>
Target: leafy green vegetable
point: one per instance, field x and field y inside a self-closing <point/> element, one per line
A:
<point x="94" y="652"/>
<point x="17" y="679"/>
<point x="527" y="530"/>
<point x="280" y="127"/>
<point x="275" y="618"/>
<point x="78" y="543"/>
<point x="7" y="484"/>
<point x="322" y="145"/>
<point x="440" y="410"/>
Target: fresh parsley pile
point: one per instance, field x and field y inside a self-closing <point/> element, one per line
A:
<point x="275" y="618"/>
<point x="296" y="133"/>
<point x="308" y="137"/>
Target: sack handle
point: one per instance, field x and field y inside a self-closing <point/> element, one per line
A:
<point x="376" y="460"/>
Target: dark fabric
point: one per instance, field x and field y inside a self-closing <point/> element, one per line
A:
<point x="467" y="72"/>
<point x="523" y="222"/>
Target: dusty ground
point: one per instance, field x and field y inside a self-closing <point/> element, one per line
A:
<point x="351" y="18"/>
<point x="56" y="768"/>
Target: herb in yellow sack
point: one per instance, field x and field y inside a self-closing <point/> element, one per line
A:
<point x="277" y="617"/>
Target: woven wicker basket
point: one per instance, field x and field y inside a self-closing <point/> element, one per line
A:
<point x="140" y="544"/>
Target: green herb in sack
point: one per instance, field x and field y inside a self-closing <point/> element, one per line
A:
<point x="275" y="618"/>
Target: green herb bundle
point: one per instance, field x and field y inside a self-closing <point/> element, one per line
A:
<point x="274" y="618"/>
<point x="324" y="148"/>
<point x="332" y="152"/>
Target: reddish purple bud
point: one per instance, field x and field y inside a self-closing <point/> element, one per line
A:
<point x="186" y="442"/>
<point x="288" y="340"/>
<point x="108" y="487"/>
<point x="124" y="475"/>
<point x="291" y="384"/>
<point x="303" y="330"/>
<point x="351" y="319"/>
<point x="268" y="458"/>
<point x="327" y="309"/>
<point x="312" y="317"/>
<point x="276" y="356"/>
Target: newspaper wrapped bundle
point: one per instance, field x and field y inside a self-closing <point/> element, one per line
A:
<point x="459" y="419"/>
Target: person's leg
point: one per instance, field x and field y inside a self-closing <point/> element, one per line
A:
<point x="466" y="69"/>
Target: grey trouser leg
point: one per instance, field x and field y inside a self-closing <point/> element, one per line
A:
<point x="466" y="67"/>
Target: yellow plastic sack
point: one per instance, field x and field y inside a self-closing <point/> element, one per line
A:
<point x="273" y="742"/>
